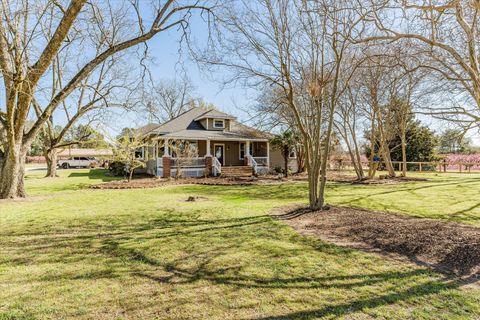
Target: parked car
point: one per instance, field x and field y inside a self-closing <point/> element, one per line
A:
<point x="77" y="162"/>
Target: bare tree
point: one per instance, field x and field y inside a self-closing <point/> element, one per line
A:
<point x="169" y="98"/>
<point x="444" y="37"/>
<point x="298" y="48"/>
<point x="118" y="26"/>
<point x="348" y="113"/>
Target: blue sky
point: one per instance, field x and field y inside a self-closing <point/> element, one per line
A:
<point x="164" y="49"/>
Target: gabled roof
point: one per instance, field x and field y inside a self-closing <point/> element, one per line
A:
<point x="215" y="114"/>
<point x="187" y="126"/>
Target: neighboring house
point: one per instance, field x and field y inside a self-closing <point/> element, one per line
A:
<point x="223" y="146"/>
<point x="89" y="153"/>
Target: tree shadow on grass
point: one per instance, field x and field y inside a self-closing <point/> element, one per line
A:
<point x="118" y="244"/>
<point x="292" y="191"/>
<point x="93" y="174"/>
<point x="338" y="310"/>
<point x="234" y="275"/>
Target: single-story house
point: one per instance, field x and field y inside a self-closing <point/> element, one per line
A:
<point x="222" y="146"/>
<point x="84" y="152"/>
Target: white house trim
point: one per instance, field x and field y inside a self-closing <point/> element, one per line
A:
<point x="219" y="120"/>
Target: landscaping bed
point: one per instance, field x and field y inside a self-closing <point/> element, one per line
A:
<point x="449" y="247"/>
<point x="143" y="183"/>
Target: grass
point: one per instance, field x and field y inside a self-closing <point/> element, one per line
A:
<point x="71" y="252"/>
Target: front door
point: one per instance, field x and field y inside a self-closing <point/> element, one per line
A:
<point x="220" y="153"/>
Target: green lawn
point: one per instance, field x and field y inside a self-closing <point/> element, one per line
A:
<point x="71" y="252"/>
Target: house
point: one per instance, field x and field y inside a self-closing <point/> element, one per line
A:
<point x="82" y="152"/>
<point x="222" y="146"/>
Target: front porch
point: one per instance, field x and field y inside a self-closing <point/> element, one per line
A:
<point x="208" y="159"/>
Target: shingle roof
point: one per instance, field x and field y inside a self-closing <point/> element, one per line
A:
<point x="215" y="114"/>
<point x="187" y="126"/>
<point x="79" y="152"/>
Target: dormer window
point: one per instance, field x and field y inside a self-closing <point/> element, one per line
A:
<point x="219" y="124"/>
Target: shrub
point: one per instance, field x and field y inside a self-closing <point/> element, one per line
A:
<point x="117" y="169"/>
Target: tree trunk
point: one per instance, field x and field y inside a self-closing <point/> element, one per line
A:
<point x="387" y="159"/>
<point x="130" y="175"/>
<point x="285" y="159"/>
<point x="372" y="169"/>
<point x="51" y="157"/>
<point x="300" y="160"/>
<point x="12" y="173"/>
<point x="404" y="156"/>
<point x="315" y="200"/>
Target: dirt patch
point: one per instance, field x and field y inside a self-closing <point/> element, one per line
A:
<point x="26" y="199"/>
<point x="143" y="183"/>
<point x="194" y="199"/>
<point x="451" y="248"/>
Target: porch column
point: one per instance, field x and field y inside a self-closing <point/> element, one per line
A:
<point x="166" y="150"/>
<point x="208" y="160"/>
<point x="247" y="153"/>
<point x="166" y="160"/>
<point x="208" y="153"/>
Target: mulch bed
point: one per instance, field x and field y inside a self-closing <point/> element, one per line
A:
<point x="451" y="248"/>
<point x="143" y="183"/>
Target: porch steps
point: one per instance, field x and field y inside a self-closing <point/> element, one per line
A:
<point x="237" y="171"/>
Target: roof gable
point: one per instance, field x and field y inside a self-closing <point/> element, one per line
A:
<point x="187" y="126"/>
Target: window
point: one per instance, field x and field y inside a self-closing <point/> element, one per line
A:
<point x="194" y="145"/>
<point x="219" y="124"/>
<point x="139" y="153"/>
<point x="293" y="154"/>
<point x="242" y="150"/>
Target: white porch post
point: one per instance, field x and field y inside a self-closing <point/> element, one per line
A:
<point x="208" y="153"/>
<point x="247" y="148"/>
<point x="166" y="151"/>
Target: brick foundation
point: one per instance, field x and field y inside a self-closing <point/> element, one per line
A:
<point x="208" y="165"/>
<point x="166" y="166"/>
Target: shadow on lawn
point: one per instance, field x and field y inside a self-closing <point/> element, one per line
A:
<point x="232" y="276"/>
<point x="93" y="174"/>
<point x="208" y="242"/>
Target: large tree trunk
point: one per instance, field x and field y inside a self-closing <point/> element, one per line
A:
<point x="315" y="198"/>
<point x="12" y="173"/>
<point x="51" y="157"/>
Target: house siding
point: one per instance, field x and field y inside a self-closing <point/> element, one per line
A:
<point x="276" y="160"/>
<point x="211" y="128"/>
<point x="232" y="152"/>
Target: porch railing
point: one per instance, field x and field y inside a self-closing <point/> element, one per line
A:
<point x="197" y="162"/>
<point x="216" y="167"/>
<point x="252" y="163"/>
<point x="261" y="161"/>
